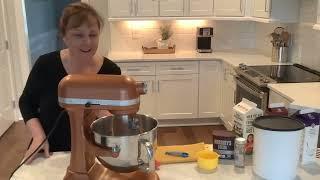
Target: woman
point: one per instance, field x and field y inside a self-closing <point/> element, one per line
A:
<point x="80" y="27"/>
<point x="249" y="144"/>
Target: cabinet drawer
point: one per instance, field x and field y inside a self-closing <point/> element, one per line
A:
<point x="177" y="68"/>
<point x="209" y="66"/>
<point x="138" y="68"/>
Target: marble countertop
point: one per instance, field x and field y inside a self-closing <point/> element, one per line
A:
<point x="234" y="57"/>
<point x="54" y="168"/>
<point x="302" y="95"/>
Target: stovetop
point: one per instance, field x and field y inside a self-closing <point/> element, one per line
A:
<point x="262" y="75"/>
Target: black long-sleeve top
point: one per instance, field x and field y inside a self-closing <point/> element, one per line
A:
<point x="40" y="97"/>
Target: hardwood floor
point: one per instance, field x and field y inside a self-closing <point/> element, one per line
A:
<point x="14" y="142"/>
<point x="13" y="145"/>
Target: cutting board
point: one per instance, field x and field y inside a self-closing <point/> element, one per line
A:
<point x="191" y="149"/>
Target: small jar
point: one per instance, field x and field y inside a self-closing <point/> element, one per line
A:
<point x="223" y="143"/>
<point x="239" y="152"/>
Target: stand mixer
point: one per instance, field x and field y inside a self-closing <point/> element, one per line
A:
<point x="115" y="147"/>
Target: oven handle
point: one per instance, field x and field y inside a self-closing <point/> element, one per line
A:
<point x="244" y="86"/>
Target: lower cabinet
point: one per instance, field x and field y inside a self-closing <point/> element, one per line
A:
<point x="228" y="93"/>
<point x="147" y="101"/>
<point x="177" y="96"/>
<point x="209" y="89"/>
<point x="178" y="90"/>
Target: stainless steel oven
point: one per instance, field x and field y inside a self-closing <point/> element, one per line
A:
<point x="248" y="90"/>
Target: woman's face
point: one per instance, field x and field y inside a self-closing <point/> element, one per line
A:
<point x="83" y="40"/>
<point x="250" y="138"/>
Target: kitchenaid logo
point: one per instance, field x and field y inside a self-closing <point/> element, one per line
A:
<point x="222" y="144"/>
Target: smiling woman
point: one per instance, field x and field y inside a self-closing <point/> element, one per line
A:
<point x="80" y="27"/>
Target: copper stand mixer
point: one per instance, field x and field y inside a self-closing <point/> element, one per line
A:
<point x="123" y="144"/>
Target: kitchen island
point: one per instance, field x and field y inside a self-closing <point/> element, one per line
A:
<point x="54" y="168"/>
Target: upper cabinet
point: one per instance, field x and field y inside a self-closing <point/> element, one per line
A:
<point x="317" y="25"/>
<point x="277" y="10"/>
<point x="171" y="7"/>
<point x="286" y="11"/>
<point x="229" y="8"/>
<point x="261" y="8"/>
<point x="201" y="7"/>
<point x="121" y="8"/>
<point x="146" y="8"/>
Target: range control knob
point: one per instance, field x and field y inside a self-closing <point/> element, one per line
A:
<point x="266" y="80"/>
<point x="242" y="66"/>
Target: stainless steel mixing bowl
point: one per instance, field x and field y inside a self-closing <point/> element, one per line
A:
<point x="132" y="139"/>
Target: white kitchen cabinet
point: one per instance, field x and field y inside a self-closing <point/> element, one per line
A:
<point x="317" y="25"/>
<point x="147" y="101"/>
<point x="201" y="7"/>
<point x="172" y="7"/>
<point x="121" y="8"/>
<point x="177" y="86"/>
<point x="209" y="89"/>
<point x="177" y="96"/>
<point x="143" y="72"/>
<point x="146" y="8"/>
<point x="228" y="95"/>
<point x="229" y="8"/>
<point x="133" y="8"/>
<point x="7" y="106"/>
<point x="274" y="97"/>
<point x="277" y="10"/>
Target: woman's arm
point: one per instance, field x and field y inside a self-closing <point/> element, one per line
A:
<point x="29" y="108"/>
<point x="38" y="136"/>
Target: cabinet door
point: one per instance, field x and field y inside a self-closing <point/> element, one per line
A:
<point x="228" y="95"/>
<point x="122" y="8"/>
<point x="147" y="8"/>
<point x="147" y="101"/>
<point x="171" y="7"/>
<point x="318" y="12"/>
<point x="201" y="7"/>
<point x="7" y="111"/>
<point x="177" y="96"/>
<point x="229" y="8"/>
<point x="209" y="89"/>
<point x="261" y="8"/>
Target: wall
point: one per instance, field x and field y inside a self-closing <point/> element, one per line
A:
<point x="305" y="41"/>
<point x="42" y="27"/>
<point x="130" y="36"/>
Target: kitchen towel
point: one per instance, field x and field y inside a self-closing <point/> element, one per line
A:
<point x="191" y="149"/>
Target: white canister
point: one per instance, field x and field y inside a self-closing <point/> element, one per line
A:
<point x="276" y="147"/>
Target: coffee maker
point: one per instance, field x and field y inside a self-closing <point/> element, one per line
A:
<point x="204" y="39"/>
<point x="114" y="147"/>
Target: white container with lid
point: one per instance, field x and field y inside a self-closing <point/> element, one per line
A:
<point x="277" y="145"/>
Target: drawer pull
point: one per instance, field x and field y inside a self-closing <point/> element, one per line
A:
<point x="177" y="69"/>
<point x="134" y="70"/>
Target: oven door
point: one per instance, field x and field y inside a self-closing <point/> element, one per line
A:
<point x="245" y="89"/>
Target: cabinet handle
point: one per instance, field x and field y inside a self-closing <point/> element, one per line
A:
<point x="241" y="3"/>
<point x="153" y="86"/>
<point x="177" y="69"/>
<point x="134" y="69"/>
<point x="136" y="7"/>
<point x="131" y="8"/>
<point x="158" y="86"/>
<point x="267" y="6"/>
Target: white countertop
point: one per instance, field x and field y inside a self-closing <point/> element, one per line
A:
<point x="55" y="167"/>
<point x="235" y="57"/>
<point x="302" y="95"/>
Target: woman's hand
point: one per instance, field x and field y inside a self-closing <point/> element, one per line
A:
<point x="38" y="135"/>
<point x="34" y="145"/>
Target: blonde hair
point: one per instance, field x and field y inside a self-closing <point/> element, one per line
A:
<point x="75" y="14"/>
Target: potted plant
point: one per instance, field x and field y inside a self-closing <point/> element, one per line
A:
<point x="166" y="33"/>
